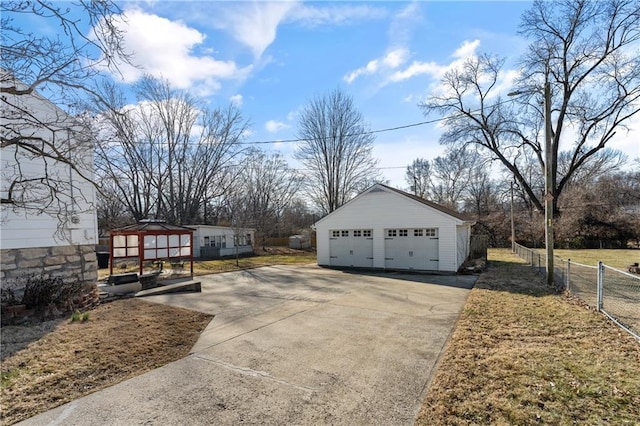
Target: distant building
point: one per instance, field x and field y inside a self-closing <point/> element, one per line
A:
<point x="300" y="242"/>
<point x="214" y="242"/>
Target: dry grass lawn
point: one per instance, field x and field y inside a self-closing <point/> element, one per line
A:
<point x="49" y="364"/>
<point x="619" y="259"/>
<point x="522" y="355"/>
<point x="272" y="256"/>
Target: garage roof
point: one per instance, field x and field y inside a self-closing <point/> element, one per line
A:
<point x="438" y="207"/>
<point x="431" y="204"/>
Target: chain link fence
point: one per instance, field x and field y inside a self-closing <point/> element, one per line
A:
<point x="611" y="291"/>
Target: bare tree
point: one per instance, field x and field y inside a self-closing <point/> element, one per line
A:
<point x="168" y="155"/>
<point x="585" y="49"/>
<point x="46" y="150"/>
<point x="418" y="177"/>
<point x="268" y="185"/>
<point x="450" y="176"/>
<point x="337" y="150"/>
<point x="480" y="194"/>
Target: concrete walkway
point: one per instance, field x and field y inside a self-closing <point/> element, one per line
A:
<point x="292" y="345"/>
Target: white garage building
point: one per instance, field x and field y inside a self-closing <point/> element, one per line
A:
<point x="385" y="228"/>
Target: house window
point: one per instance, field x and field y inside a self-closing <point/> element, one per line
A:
<point x="247" y="239"/>
<point x="335" y="234"/>
<point x="403" y="232"/>
<point x="357" y="233"/>
<point x="345" y="233"/>
<point x="366" y="233"/>
<point x="430" y="232"/>
<point x="418" y="232"/>
<point x="392" y="232"/>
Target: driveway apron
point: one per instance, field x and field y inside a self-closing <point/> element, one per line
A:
<point x="292" y="345"/>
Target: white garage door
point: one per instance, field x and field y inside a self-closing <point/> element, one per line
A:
<point x="351" y="247"/>
<point x="411" y="249"/>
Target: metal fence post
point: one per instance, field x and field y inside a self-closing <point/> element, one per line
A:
<point x="600" y="285"/>
<point x="567" y="280"/>
<point x="539" y="263"/>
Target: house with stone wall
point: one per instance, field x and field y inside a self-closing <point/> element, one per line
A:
<point x="48" y="222"/>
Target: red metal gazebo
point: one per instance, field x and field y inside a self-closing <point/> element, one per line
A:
<point x="152" y="240"/>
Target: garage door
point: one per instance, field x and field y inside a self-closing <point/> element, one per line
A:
<point x="411" y="249"/>
<point x="351" y="247"/>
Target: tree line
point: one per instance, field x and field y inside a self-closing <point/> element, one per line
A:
<point x="170" y="155"/>
<point x="600" y="208"/>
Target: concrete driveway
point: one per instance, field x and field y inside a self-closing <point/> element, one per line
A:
<point x="292" y="345"/>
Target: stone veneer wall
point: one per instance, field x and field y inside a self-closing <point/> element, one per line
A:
<point x="68" y="262"/>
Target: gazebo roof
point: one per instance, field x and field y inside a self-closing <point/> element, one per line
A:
<point x="153" y="225"/>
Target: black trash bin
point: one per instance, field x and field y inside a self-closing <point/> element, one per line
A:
<point x="103" y="259"/>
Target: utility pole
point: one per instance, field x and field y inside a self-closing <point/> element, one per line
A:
<point x="513" y="227"/>
<point x="548" y="183"/>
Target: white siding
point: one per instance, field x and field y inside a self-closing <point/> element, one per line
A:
<point x="382" y="209"/>
<point x="463" y="242"/>
<point x="30" y="228"/>
<point x="212" y="231"/>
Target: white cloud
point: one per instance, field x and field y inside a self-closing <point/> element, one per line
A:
<point x="467" y="49"/>
<point x="236" y="100"/>
<point x="390" y="61"/>
<point x="165" y="48"/>
<point x="273" y="126"/>
<point x="403" y="23"/>
<point x="435" y="70"/>
<point x="317" y="15"/>
<point x="254" y="24"/>
<point x="627" y="141"/>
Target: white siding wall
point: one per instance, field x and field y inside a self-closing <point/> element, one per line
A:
<point x="23" y="228"/>
<point x="211" y="231"/>
<point x="380" y="210"/>
<point x="463" y="242"/>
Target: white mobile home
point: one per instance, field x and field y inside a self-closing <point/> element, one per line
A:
<point x="213" y="242"/>
<point x="385" y="228"/>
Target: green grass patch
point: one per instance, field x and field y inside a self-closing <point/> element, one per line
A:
<point x="6" y="377"/>
<point x="620" y="258"/>
<point x="522" y="354"/>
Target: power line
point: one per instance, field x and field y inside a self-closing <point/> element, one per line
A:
<point x="370" y="132"/>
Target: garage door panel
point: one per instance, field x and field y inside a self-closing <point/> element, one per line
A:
<point x="352" y="250"/>
<point x="411" y="249"/>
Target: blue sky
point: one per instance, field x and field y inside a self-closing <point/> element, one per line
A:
<point x="272" y="57"/>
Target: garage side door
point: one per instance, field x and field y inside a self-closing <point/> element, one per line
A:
<point x="351" y="248"/>
<point x="411" y="249"/>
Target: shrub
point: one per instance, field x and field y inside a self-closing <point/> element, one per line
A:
<point x="41" y="292"/>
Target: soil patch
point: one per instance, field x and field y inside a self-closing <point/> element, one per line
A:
<point x="46" y="365"/>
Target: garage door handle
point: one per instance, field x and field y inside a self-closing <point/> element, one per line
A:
<point x="434" y="260"/>
<point x="388" y="258"/>
<point x="369" y="257"/>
